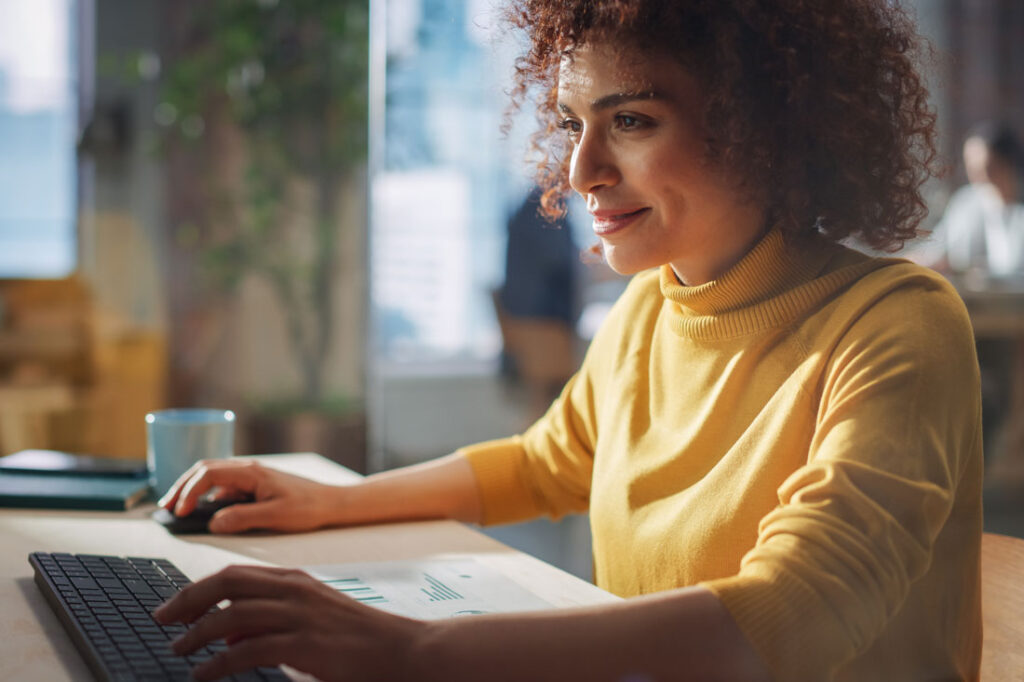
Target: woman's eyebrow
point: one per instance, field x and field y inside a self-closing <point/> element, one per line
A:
<point x="617" y="98"/>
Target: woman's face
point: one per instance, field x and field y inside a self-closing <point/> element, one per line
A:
<point x="638" y="158"/>
<point x="983" y="166"/>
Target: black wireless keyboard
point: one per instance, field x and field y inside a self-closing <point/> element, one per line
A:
<point x="105" y="603"/>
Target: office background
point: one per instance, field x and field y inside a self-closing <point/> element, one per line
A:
<point x="334" y="279"/>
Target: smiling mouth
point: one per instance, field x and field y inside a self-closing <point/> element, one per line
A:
<point x="609" y="224"/>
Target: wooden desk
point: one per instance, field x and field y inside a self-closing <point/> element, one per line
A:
<point x="1002" y="600"/>
<point x="996" y="307"/>
<point x="35" y="647"/>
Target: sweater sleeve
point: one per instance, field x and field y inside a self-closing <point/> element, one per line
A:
<point x="545" y="471"/>
<point x="898" y="424"/>
<point x="548" y="469"/>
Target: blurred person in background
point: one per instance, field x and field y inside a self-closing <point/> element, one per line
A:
<point x="982" y="229"/>
<point x="538" y="305"/>
<point x="541" y="266"/>
<point x="979" y="241"/>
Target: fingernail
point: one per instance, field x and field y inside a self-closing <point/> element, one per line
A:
<point x="160" y="613"/>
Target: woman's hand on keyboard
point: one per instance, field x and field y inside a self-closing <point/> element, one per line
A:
<point x="280" y="616"/>
<point x="281" y="501"/>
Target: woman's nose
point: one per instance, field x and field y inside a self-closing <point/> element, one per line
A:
<point x="592" y="165"/>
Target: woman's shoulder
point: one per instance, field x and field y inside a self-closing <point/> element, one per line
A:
<point x="898" y="292"/>
<point x="878" y="274"/>
<point x="902" y="278"/>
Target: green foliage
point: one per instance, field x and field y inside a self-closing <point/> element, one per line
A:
<point x="291" y="73"/>
<point x="291" y="77"/>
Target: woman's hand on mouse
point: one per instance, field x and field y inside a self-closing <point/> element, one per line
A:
<point x="281" y="501"/>
<point x="285" y="616"/>
<point x="444" y="488"/>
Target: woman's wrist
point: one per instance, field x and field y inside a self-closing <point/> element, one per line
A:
<point x="439" y="489"/>
<point x="342" y="504"/>
<point x="371" y="500"/>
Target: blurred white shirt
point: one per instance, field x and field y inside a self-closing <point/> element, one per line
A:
<point x="977" y="231"/>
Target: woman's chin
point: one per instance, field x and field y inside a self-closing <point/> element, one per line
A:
<point x="626" y="264"/>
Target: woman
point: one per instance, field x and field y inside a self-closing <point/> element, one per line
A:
<point x="781" y="462"/>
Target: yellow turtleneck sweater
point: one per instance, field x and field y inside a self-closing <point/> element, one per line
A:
<point x="801" y="436"/>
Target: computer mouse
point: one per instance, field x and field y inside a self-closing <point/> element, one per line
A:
<point x="198" y="521"/>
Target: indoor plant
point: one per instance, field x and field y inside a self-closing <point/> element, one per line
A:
<point x="289" y="80"/>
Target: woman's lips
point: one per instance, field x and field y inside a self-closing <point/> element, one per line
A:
<point x="609" y="222"/>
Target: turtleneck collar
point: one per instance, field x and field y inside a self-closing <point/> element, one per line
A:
<point x="774" y="283"/>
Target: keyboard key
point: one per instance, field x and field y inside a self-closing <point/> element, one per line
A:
<point x="138" y="587"/>
<point x="165" y="592"/>
<point x="84" y="583"/>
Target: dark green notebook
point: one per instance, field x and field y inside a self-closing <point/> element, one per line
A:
<point x="55" y="491"/>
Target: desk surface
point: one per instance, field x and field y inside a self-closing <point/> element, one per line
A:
<point x="33" y="643"/>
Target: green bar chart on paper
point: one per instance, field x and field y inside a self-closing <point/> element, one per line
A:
<point x="357" y="589"/>
<point x="429" y="589"/>
<point x="437" y="590"/>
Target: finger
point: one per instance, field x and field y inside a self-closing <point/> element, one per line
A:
<point x="242" y="517"/>
<point x="243" y="619"/>
<point x="227" y="492"/>
<point x="235" y="475"/>
<point x="169" y="498"/>
<point x="269" y="650"/>
<point x="234" y="582"/>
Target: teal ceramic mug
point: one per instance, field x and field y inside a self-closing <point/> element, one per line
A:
<point x="177" y="439"/>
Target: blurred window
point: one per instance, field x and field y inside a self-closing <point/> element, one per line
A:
<point x="443" y="181"/>
<point x="40" y="47"/>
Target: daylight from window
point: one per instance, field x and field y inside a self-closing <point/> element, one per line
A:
<point x="37" y="139"/>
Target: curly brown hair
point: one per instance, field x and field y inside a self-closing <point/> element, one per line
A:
<point x="816" y="106"/>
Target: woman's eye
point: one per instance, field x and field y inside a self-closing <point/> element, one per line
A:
<point x="628" y="122"/>
<point x="571" y="127"/>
